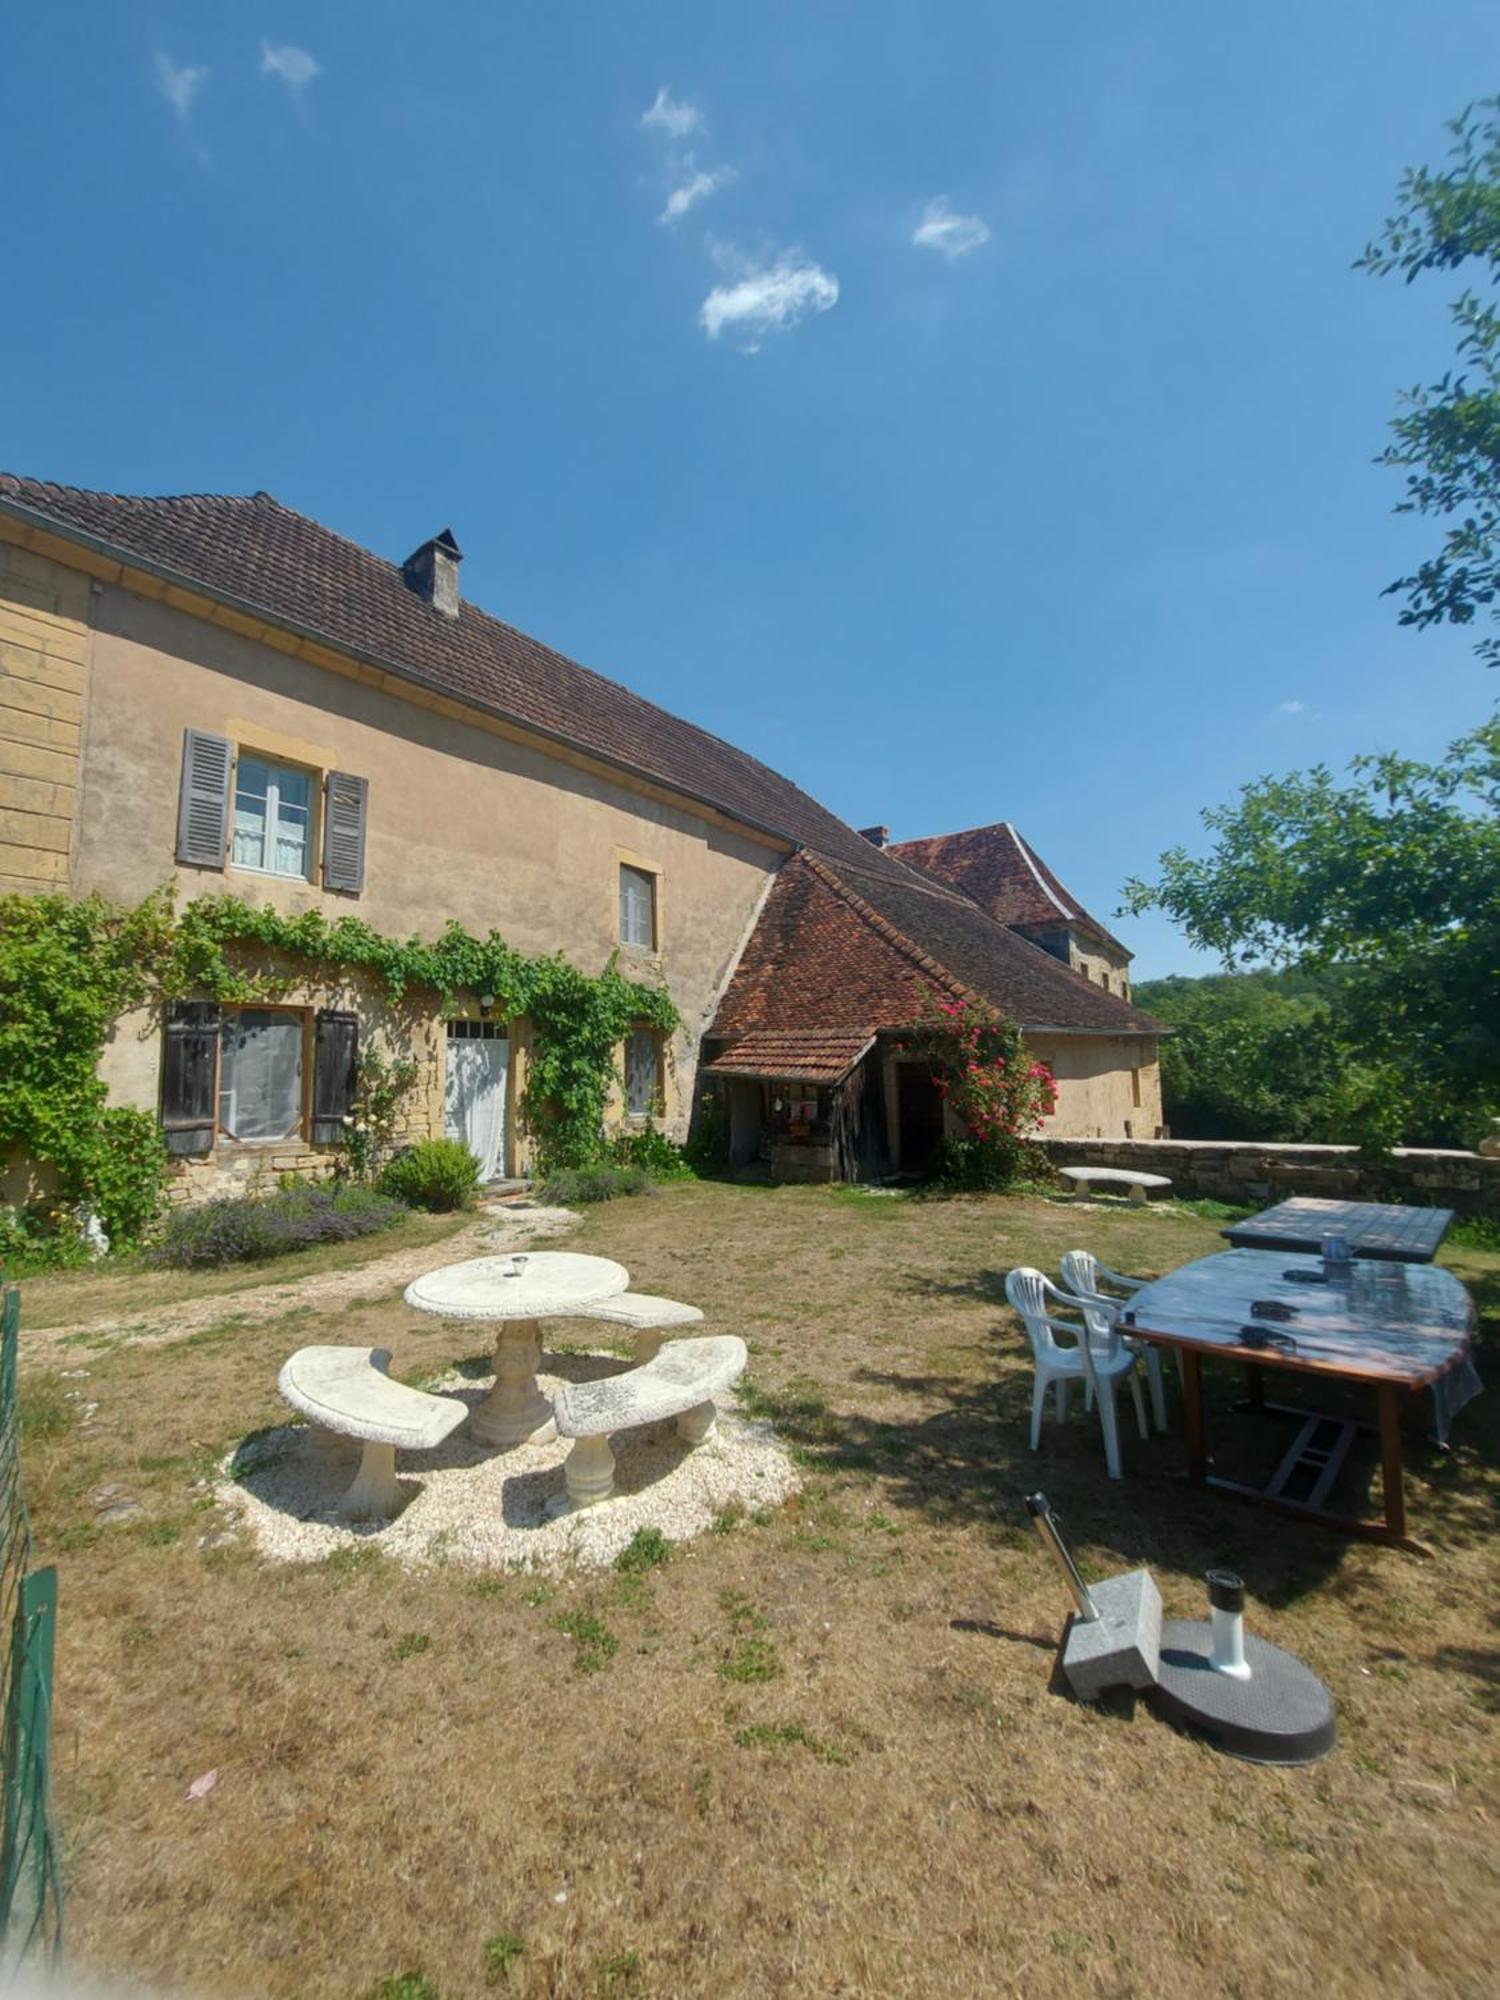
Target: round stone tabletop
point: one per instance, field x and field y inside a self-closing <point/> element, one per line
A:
<point x="552" y="1284"/>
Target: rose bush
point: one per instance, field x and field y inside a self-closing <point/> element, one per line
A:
<point x="994" y="1085"/>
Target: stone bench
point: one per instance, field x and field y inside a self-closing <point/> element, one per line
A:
<point x="680" y="1382"/>
<point x="348" y="1390"/>
<point x="648" y="1318"/>
<point x="1139" y="1184"/>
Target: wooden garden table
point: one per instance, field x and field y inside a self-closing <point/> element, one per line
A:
<point x="517" y="1291"/>
<point x="1378" y="1229"/>
<point x="1395" y="1327"/>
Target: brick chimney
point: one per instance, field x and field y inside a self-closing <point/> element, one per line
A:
<point x="878" y="836"/>
<point x="432" y="572"/>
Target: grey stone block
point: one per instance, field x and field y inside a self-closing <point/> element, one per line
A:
<point x="1122" y="1646"/>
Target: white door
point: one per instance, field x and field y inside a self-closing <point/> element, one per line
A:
<point x="474" y="1092"/>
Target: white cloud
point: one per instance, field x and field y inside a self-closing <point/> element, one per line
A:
<point x="760" y="299"/>
<point x="293" y="66"/>
<point x="697" y="187"/>
<point x="179" y="83"/>
<point x="672" y="115"/>
<point x="950" y="234"/>
<point x="1290" y="708"/>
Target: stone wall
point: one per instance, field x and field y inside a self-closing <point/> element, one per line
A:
<point x="1240" y="1170"/>
<point x="43" y="669"/>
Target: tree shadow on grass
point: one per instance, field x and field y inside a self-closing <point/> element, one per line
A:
<point x="969" y="1460"/>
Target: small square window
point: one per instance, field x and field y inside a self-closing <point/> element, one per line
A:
<point x="272" y="817"/>
<point x="638" y="908"/>
<point x="642" y="1073"/>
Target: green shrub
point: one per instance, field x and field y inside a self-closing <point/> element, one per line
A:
<point x="646" y="1548"/>
<point x="571" y="1187"/>
<point x="652" y="1150"/>
<point x="238" y="1229"/>
<point x="39" y="1239"/>
<point x="129" y="1174"/>
<point x="988" y="1166"/>
<point x="1476" y="1232"/>
<point x="439" y="1174"/>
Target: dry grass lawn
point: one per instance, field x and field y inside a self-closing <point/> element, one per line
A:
<point x="811" y="1754"/>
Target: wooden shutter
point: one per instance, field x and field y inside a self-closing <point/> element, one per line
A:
<point x="203" y="802"/>
<point x="335" y="1072"/>
<point x="190" y="1076"/>
<point x="345" y="810"/>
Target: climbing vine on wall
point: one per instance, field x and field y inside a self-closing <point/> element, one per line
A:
<point x="69" y="969"/>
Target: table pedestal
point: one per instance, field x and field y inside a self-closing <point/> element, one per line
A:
<point x="515" y="1411"/>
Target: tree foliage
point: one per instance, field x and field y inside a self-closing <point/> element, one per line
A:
<point x="1391" y="882"/>
<point x="1447" y="433"/>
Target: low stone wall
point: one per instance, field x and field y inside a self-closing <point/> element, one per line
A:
<point x="1244" y="1171"/>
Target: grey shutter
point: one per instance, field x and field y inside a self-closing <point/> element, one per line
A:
<point x="345" y="810"/>
<point x="190" y="1076"/>
<point x="335" y="1072"/>
<point x="203" y="803"/>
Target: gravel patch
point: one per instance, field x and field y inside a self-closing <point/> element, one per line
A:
<point x="488" y="1509"/>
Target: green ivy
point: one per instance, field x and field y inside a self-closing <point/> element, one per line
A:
<point x="69" y="969"/>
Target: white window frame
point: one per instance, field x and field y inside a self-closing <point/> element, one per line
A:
<point x="647" y="878"/>
<point x="271" y="834"/>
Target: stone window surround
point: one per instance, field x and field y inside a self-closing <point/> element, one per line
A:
<point x="626" y="857"/>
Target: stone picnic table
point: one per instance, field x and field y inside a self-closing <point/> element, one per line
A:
<point x="518" y="1292"/>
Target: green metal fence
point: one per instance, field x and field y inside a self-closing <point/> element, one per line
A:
<point x="30" y="1886"/>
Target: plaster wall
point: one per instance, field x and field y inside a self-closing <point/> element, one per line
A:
<point x="1108" y="1086"/>
<point x="463" y="823"/>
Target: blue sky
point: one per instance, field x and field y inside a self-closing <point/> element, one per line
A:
<point x="967" y="408"/>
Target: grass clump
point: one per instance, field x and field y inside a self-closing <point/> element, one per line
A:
<point x="440" y="1174"/>
<point x="501" y="1953"/>
<point x="410" y="1645"/>
<point x="619" y="1975"/>
<point x="780" y="1735"/>
<point x="594" y="1645"/>
<point x="240" y="1228"/>
<point x="44" y="1410"/>
<point x="753" y="1659"/>
<point x="403" y="1986"/>
<point x="646" y="1549"/>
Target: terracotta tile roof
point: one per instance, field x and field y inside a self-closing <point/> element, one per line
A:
<point x="840" y="948"/>
<point x="1005" y="875"/>
<point x="810" y="1056"/>
<point x="871" y="928"/>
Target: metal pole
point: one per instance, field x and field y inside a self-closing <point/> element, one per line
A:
<point x="1045" y="1523"/>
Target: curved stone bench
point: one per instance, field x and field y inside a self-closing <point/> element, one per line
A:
<point x="1139" y="1184"/>
<point x="349" y="1390"/>
<point x="680" y="1382"/>
<point x="649" y="1318"/>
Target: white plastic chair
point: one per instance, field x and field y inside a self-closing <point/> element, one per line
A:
<point x="1089" y="1279"/>
<point x="1095" y="1355"/>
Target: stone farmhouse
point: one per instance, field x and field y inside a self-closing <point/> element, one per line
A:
<point x="218" y="692"/>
